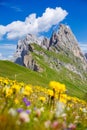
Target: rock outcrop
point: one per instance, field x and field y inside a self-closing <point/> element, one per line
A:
<point x="30" y="63"/>
<point x="86" y="55"/>
<point x="45" y="43"/>
<point x="23" y="51"/>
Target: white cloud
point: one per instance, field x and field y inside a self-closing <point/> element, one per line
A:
<point x="0" y="55"/>
<point x="33" y="24"/>
<point x="7" y="46"/>
<point x="83" y="47"/>
<point x="7" y="51"/>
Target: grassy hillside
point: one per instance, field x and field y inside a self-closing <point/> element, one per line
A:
<point x="13" y="71"/>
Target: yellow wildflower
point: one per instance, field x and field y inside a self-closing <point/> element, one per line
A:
<point x="9" y="92"/>
<point x="50" y="92"/>
<point x="42" y="99"/>
<point x="27" y="90"/>
<point x="16" y="101"/>
<point x="16" y="88"/>
<point x="58" y="87"/>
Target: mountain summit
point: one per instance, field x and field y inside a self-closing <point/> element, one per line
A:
<point x="66" y="41"/>
<point x="60" y="51"/>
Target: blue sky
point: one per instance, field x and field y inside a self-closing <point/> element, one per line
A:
<point x="19" y="17"/>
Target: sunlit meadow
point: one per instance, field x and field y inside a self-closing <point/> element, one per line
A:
<point x="27" y="107"/>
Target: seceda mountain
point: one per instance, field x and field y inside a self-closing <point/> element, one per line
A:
<point x="62" y="46"/>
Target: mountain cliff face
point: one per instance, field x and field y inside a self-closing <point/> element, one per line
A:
<point x="66" y="41"/>
<point x="58" y="52"/>
<point x="86" y="55"/>
<point x="23" y="48"/>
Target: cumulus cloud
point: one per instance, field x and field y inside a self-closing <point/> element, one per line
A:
<point x="33" y="24"/>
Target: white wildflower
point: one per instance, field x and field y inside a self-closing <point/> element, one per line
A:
<point x="60" y="109"/>
<point x="24" y="117"/>
<point x="12" y="112"/>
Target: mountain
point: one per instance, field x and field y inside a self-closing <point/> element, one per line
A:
<point x="58" y="58"/>
<point x="86" y="55"/>
<point x="63" y="43"/>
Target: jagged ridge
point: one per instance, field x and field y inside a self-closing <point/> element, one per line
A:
<point x="62" y="42"/>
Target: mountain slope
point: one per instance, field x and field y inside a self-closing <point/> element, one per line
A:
<point x="13" y="71"/>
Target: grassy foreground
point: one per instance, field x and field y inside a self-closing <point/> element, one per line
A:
<point x="25" y="106"/>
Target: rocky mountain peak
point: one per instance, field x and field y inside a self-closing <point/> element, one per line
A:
<point x="32" y="39"/>
<point x="62" y="42"/>
<point x="65" y="40"/>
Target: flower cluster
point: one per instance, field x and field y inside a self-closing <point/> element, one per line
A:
<point x="35" y="107"/>
<point x="58" y="87"/>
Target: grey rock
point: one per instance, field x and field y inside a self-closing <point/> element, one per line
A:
<point x="30" y="63"/>
<point x="86" y="55"/>
<point x="24" y="47"/>
<point x="53" y="39"/>
<point x="21" y="51"/>
<point x="73" y="69"/>
<point x="45" y="43"/>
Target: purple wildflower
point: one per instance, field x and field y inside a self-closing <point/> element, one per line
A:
<point x="27" y="103"/>
<point x="28" y="111"/>
<point x="19" y="110"/>
<point x="24" y="99"/>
